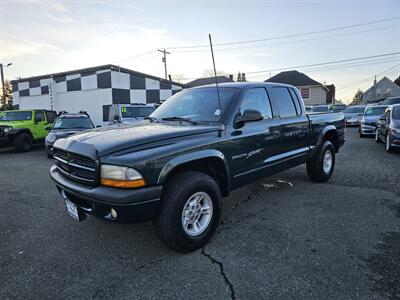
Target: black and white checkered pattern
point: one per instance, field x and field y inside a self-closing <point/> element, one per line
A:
<point x="127" y="86"/>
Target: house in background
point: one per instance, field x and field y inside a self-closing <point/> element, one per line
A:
<point x="312" y="92"/>
<point x="380" y="91"/>
<point x="208" y="80"/>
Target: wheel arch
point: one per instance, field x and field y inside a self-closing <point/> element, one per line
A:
<point x="210" y="161"/>
<point x="330" y="133"/>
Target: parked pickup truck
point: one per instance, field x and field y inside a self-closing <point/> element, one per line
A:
<point x="196" y="148"/>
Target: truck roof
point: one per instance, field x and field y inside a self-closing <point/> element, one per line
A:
<point x="241" y="85"/>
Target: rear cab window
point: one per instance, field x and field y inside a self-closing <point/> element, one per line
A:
<point x="284" y="102"/>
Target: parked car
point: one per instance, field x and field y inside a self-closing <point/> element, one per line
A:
<point x="352" y="114"/>
<point x="388" y="130"/>
<point x="22" y="128"/>
<point x="320" y="108"/>
<point x="67" y="124"/>
<point x="129" y="113"/>
<point x="370" y="118"/>
<point x="195" y="148"/>
<point x="391" y="101"/>
<point x="337" y="107"/>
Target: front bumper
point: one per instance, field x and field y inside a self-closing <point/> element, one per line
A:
<point x="352" y="122"/>
<point x="131" y="205"/>
<point x="367" y="129"/>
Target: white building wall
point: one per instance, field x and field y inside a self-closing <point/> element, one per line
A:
<point x="317" y="96"/>
<point x="91" y="101"/>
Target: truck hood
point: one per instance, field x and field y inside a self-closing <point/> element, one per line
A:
<point x="105" y="140"/>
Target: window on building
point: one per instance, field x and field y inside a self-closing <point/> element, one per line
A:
<point x="305" y="93"/>
<point x="257" y="99"/>
<point x="282" y="98"/>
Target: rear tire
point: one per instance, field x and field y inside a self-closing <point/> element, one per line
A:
<point x="177" y="209"/>
<point x="320" y="168"/>
<point x="23" y="142"/>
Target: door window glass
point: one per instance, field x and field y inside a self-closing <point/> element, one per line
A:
<point x="39" y="116"/>
<point x="296" y="101"/>
<point x="257" y="99"/>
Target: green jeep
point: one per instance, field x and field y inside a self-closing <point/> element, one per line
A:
<point x="22" y="128"/>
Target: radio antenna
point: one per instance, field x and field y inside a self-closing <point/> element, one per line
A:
<point x="215" y="74"/>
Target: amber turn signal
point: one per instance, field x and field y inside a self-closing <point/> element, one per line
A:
<point x="127" y="184"/>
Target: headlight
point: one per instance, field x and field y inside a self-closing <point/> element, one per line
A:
<point x="51" y="138"/>
<point x="395" y="130"/>
<point x="7" y="129"/>
<point x="121" y="177"/>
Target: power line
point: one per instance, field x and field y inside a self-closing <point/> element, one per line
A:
<point x="325" y="63"/>
<point x="134" y="56"/>
<point x="289" y="42"/>
<point x="334" y="67"/>
<point x="289" y="35"/>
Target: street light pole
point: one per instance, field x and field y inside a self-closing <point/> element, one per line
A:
<point x="2" y="83"/>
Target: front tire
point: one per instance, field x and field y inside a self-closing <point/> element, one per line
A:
<point x="190" y="211"/>
<point x="389" y="148"/>
<point x="377" y="137"/>
<point x="320" y="168"/>
<point x="23" y="142"/>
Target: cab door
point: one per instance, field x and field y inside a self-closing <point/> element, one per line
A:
<point x="39" y="127"/>
<point x="253" y="143"/>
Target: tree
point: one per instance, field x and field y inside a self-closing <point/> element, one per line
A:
<point x="357" y="97"/>
<point x="397" y="81"/>
<point x="8" y="101"/>
<point x="210" y="73"/>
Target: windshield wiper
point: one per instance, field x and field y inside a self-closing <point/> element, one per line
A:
<point x="152" y="119"/>
<point x="179" y="119"/>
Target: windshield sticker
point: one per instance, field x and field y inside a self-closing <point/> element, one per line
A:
<point x="217" y="112"/>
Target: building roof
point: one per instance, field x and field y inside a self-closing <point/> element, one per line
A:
<point x="377" y="84"/>
<point x="92" y="70"/>
<point x="207" y="80"/>
<point x="294" y="78"/>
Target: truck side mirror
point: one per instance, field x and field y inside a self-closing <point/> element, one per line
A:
<point x="249" y="115"/>
<point x="48" y="127"/>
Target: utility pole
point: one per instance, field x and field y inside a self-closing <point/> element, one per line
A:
<point x="2" y="82"/>
<point x="164" y="60"/>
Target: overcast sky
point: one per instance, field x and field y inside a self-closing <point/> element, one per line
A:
<point x="41" y="37"/>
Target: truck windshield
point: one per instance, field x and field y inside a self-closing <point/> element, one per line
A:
<point x="73" y="123"/>
<point x="199" y="104"/>
<point x="355" y="110"/>
<point x="375" y="111"/>
<point x="136" y="112"/>
<point x="396" y="113"/>
<point x="16" y="116"/>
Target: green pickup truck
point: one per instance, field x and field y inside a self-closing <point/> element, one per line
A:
<point x="22" y="128"/>
<point x="197" y="147"/>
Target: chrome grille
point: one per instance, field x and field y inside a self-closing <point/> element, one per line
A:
<point x="75" y="166"/>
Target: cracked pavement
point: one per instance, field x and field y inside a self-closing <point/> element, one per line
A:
<point x="280" y="238"/>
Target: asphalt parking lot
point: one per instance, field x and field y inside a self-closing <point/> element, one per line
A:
<point x="283" y="237"/>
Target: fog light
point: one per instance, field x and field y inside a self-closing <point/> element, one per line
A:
<point x="113" y="213"/>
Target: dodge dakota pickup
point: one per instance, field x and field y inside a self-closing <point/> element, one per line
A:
<point x="176" y="166"/>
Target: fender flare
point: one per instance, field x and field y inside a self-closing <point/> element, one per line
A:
<point x="323" y="133"/>
<point x="191" y="157"/>
<point x="15" y="131"/>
